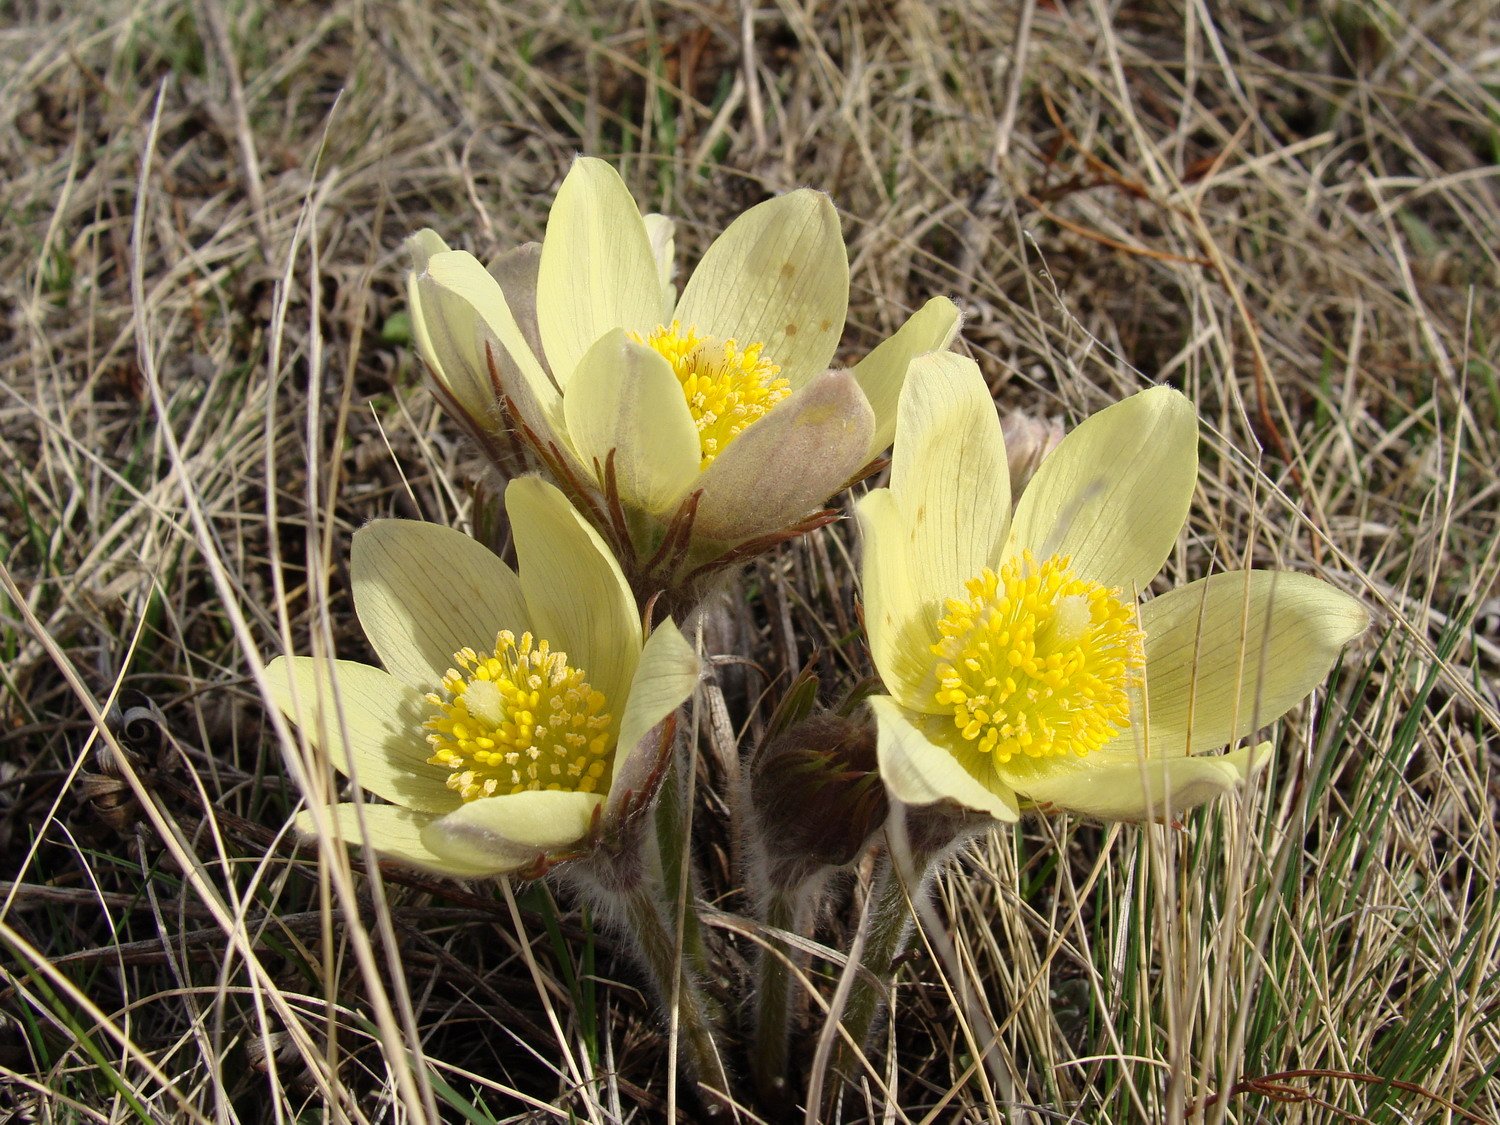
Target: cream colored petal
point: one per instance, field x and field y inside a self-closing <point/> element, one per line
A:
<point x="789" y="463"/>
<point x="515" y="272"/>
<point x="1153" y="788"/>
<point x="920" y="772"/>
<point x="662" y="233"/>
<point x="778" y="276"/>
<point x="576" y="594"/>
<point x="1233" y="652"/>
<point x="900" y="614"/>
<point x="445" y="333"/>
<point x="948" y="473"/>
<point x="395" y="833"/>
<point x="423" y="245"/>
<point x="464" y="307"/>
<point x="513" y="831"/>
<point x="1114" y="494"/>
<point x="423" y="592"/>
<point x="666" y="676"/>
<point x="882" y="373"/>
<point x="598" y="271"/>
<point x="368" y="722"/>
<point x="624" y="397"/>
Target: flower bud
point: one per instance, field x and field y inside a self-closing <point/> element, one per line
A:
<point x="1028" y="439"/>
<point x="815" y="795"/>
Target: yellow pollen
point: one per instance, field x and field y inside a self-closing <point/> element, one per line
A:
<point x="520" y="719"/>
<point x="1037" y="661"/>
<point x="728" y="388"/>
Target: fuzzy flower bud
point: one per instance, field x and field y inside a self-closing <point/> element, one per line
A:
<point x="816" y="796"/>
<point x="1028" y="440"/>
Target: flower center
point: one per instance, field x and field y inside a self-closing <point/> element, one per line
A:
<point x="1037" y="661"/>
<point x="727" y="387"/>
<point x="521" y="719"/>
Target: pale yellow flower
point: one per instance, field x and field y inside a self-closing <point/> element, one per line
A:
<point x="515" y="713"/>
<point x="726" y="390"/>
<point x="1022" y="666"/>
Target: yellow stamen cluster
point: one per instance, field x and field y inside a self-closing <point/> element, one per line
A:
<point x="520" y="719"/>
<point x="727" y="387"/>
<point x="1038" y="661"/>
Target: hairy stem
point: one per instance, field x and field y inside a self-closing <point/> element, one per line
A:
<point x="657" y="948"/>
<point x="770" y="1046"/>
<point x="677" y="875"/>
<point x="917" y="840"/>
<point x="890" y="925"/>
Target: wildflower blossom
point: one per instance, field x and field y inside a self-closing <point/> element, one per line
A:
<point x="512" y="722"/>
<point x="1022" y="666"/>
<point x="719" y="403"/>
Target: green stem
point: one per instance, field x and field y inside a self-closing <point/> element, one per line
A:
<point x="656" y="944"/>
<point x="897" y="887"/>
<point x="770" y="1047"/>
<point x="889" y="927"/>
<point x="677" y="877"/>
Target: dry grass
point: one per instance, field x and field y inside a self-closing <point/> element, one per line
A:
<point x="1290" y="212"/>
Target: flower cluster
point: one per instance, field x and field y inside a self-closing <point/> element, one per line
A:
<point x="524" y="719"/>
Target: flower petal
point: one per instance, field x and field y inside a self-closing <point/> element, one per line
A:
<point x="788" y="463"/>
<point x="1115" y="492"/>
<point x="598" y="271"/>
<point x="662" y="233"/>
<point x="532" y="390"/>
<point x="445" y="334"/>
<point x="1137" y="789"/>
<point x="577" y="597"/>
<point x="949" y="474"/>
<point x="368" y="722"/>
<point x="423" y="245"/>
<point x="624" y="397"/>
<point x="920" y="772"/>
<point x="900" y="615"/>
<point x="778" y="276"/>
<point x="667" y="675"/>
<point x="882" y="373"/>
<point x="512" y="831"/>
<point x="463" y="307"/>
<point x="515" y="272"/>
<point x="940" y="523"/>
<point x="423" y="592"/>
<point x="1230" y="653"/>
<point x="395" y="833"/>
